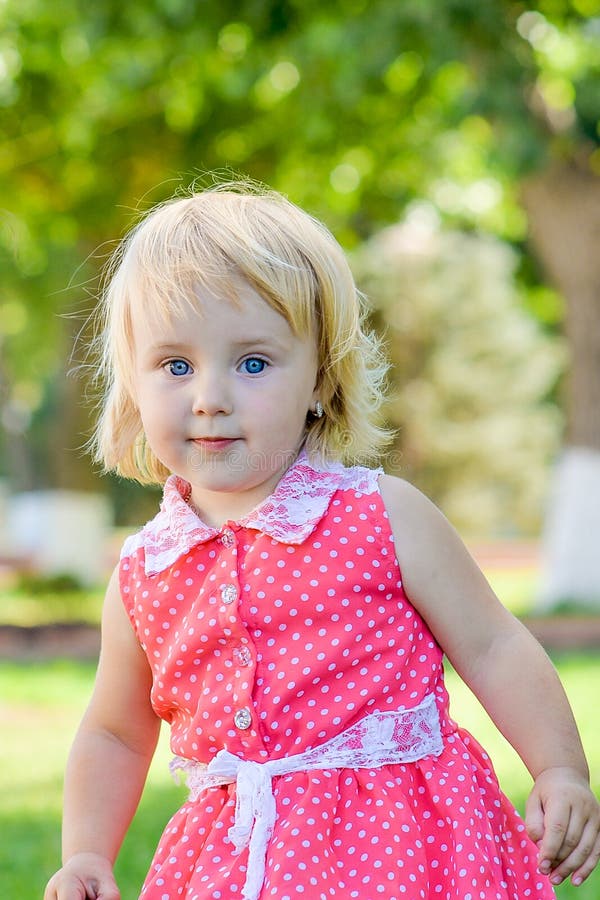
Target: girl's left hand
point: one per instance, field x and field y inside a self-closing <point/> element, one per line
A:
<point x="563" y="818"/>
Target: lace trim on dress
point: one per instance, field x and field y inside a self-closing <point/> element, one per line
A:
<point x="173" y="531"/>
<point x="302" y="498"/>
<point x="381" y="738"/>
<point x="290" y="514"/>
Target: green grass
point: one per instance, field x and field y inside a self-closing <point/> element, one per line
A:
<point x="26" y="608"/>
<point x="40" y="707"/>
<point x="580" y="675"/>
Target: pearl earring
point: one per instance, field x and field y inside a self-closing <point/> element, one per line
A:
<point x="319" y="409"/>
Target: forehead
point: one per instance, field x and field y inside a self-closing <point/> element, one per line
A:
<point x="242" y="313"/>
<point x="221" y="244"/>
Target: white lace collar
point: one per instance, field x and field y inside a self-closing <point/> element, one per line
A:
<point x="290" y="514"/>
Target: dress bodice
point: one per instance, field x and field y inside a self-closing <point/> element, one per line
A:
<point x="274" y="633"/>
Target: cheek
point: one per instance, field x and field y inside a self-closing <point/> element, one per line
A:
<point x="155" y="416"/>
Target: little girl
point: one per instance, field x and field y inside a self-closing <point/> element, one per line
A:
<point x="286" y="614"/>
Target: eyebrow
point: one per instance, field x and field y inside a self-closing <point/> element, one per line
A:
<point x="261" y="339"/>
<point x="252" y="341"/>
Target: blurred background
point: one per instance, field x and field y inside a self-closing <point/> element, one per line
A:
<point x="453" y="148"/>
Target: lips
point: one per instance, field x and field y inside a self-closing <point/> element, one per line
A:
<point x="214" y="443"/>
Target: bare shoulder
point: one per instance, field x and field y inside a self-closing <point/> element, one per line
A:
<point x="427" y="545"/>
<point x="414" y="519"/>
<point x="439" y="575"/>
<point x="397" y="493"/>
<point x="424" y="539"/>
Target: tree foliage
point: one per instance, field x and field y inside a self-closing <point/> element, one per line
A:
<point x="470" y="372"/>
<point x="352" y="108"/>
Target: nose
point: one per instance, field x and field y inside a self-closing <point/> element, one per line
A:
<point x="211" y="394"/>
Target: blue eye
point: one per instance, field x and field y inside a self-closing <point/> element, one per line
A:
<point x="179" y="367"/>
<point x="254" y="366"/>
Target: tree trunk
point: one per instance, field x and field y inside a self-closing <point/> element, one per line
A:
<point x="563" y="207"/>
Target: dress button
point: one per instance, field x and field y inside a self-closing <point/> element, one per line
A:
<point x="242" y="656"/>
<point x="228" y="593"/>
<point x="228" y="537"/>
<point x="243" y="719"/>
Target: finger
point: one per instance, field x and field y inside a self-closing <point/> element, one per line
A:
<point x="578" y="856"/>
<point x="590" y="855"/>
<point x="106" y="890"/>
<point x="572" y="840"/>
<point x="69" y="889"/>
<point x="534" y="818"/>
<point x="556" y="822"/>
<point x="93" y="890"/>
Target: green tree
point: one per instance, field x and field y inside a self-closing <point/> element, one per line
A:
<point x="353" y="108"/>
<point x="470" y="367"/>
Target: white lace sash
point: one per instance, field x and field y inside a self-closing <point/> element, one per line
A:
<point x="381" y="738"/>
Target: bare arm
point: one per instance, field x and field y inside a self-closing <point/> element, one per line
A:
<point x="508" y="671"/>
<point x="108" y="763"/>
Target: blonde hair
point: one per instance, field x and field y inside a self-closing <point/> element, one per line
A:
<point x="218" y="237"/>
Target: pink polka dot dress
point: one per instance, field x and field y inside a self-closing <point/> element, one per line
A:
<point x="269" y="638"/>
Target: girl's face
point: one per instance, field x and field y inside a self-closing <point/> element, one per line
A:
<point x="223" y="393"/>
